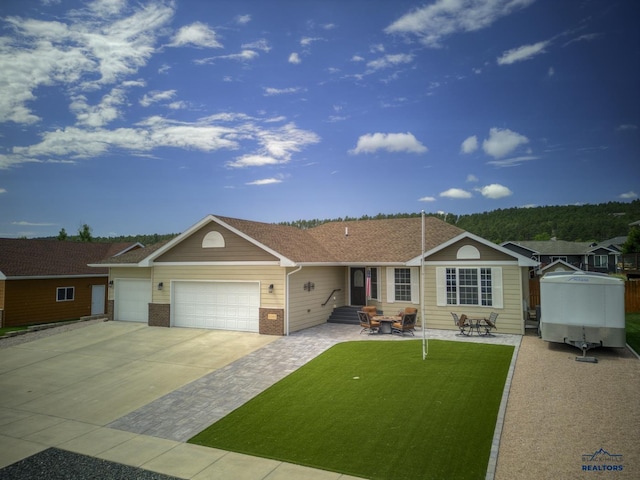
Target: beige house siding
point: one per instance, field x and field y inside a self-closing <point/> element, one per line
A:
<point x="392" y="308"/>
<point x="305" y="307"/>
<point x="265" y="275"/>
<point x="235" y="248"/>
<point x="487" y="254"/>
<point x="126" y="272"/>
<point x="510" y="317"/>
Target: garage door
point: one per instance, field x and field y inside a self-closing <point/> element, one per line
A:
<point x="132" y="299"/>
<point x="217" y="305"/>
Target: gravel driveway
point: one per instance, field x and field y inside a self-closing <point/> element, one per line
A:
<point x="561" y="411"/>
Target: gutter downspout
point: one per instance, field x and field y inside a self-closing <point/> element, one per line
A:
<point x="286" y="321"/>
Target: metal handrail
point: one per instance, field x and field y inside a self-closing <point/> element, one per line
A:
<point x="331" y="295"/>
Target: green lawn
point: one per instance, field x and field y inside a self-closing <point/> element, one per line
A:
<point x="633" y="330"/>
<point x="10" y="329"/>
<point x="377" y="410"/>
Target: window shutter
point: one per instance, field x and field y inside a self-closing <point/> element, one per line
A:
<point x="415" y="285"/>
<point x="441" y="286"/>
<point x="391" y="285"/>
<point x="496" y="291"/>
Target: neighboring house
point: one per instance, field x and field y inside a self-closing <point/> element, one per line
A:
<point x="232" y="274"/>
<point x="44" y="281"/>
<point x="588" y="256"/>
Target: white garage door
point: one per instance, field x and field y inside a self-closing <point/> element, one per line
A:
<point x="217" y="305"/>
<point x="132" y="299"/>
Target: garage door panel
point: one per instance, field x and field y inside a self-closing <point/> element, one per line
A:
<point x="218" y="305"/>
<point x="132" y="298"/>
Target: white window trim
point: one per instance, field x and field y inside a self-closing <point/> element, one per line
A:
<point x="497" y="291"/>
<point x="415" y="285"/>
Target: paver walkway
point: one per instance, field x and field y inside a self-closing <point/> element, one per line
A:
<point x="188" y="410"/>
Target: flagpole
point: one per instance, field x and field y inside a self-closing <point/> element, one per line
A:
<point x="425" y="345"/>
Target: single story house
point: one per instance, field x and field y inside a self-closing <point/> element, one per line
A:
<point x="44" y="281"/>
<point x="228" y="273"/>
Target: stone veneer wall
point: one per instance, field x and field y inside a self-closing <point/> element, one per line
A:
<point x="159" y="315"/>
<point x="110" y="309"/>
<point x="271" y="321"/>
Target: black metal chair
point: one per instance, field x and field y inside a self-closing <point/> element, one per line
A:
<point x="367" y="323"/>
<point x="406" y="324"/>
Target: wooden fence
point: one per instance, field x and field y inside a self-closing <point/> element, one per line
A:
<point x="631" y="294"/>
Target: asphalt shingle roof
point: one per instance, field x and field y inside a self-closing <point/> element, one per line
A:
<point x="35" y="257"/>
<point x="359" y="241"/>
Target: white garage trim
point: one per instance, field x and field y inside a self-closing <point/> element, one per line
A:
<point x="132" y="299"/>
<point x="228" y="305"/>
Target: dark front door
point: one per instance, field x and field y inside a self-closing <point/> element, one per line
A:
<point x="358" y="296"/>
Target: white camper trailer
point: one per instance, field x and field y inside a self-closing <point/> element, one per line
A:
<point x="583" y="309"/>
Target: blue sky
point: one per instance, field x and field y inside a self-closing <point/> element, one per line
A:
<point x="145" y="116"/>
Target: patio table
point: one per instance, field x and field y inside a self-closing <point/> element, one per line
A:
<point x="386" y="322"/>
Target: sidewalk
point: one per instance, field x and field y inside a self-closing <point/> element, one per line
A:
<point x="169" y="391"/>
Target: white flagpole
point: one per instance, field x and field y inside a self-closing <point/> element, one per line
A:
<point x="425" y="344"/>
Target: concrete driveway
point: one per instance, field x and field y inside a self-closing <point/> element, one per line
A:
<point x="65" y="386"/>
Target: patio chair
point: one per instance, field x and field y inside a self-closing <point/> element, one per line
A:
<point x="488" y="324"/>
<point x="462" y="323"/>
<point x="406" y="324"/>
<point x="367" y="324"/>
<point x="371" y="310"/>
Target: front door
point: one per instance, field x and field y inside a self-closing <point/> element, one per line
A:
<point x="358" y="296"/>
<point x="97" y="299"/>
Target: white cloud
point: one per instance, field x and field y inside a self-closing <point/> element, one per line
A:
<point x="512" y="162"/>
<point x="427" y="199"/>
<point x="269" y="92"/>
<point x="253" y="161"/>
<point x="629" y="195"/>
<point x="197" y="34"/>
<point x="432" y="23"/>
<point x="306" y="41"/>
<point x="3" y="190"/>
<point x="456" y="193"/>
<point x="551" y="72"/>
<point x="357" y="58"/>
<point x="23" y="223"/>
<point x="502" y="142"/>
<point x="224" y="131"/>
<point x="89" y="51"/>
<point x="526" y="52"/>
<point x="157" y="96"/>
<point x="470" y="145"/>
<point x="243" y="56"/>
<point x="243" y="19"/>
<point x="471" y="178"/>
<point x="390" y="61"/>
<point x="391" y="142"/>
<point x="495" y="191"/>
<point x="265" y="181"/>
<point x="627" y="127"/>
<point x="294" y="58"/>
<point x="101" y="114"/>
<point x="261" y="44"/>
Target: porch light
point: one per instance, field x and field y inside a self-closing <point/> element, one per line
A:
<point x="160" y="286"/>
<point x="110" y="283"/>
<point x="271" y="288"/>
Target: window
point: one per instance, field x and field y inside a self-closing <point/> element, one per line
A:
<point x="600" y="261"/>
<point x="65" y="294"/>
<point x="403" y="285"/>
<point x="402" y="281"/>
<point x="469" y="286"/>
<point x="373" y="283"/>
<point x="553" y="259"/>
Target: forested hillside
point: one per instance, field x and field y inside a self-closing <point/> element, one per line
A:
<point x="573" y="223"/>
